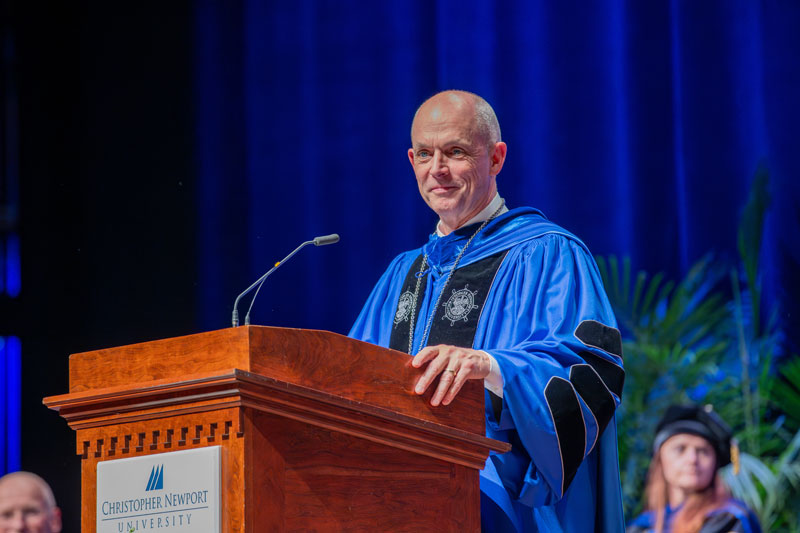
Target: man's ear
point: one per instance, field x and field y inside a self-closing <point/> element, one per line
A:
<point x="55" y="520"/>
<point x="411" y="156"/>
<point x="496" y="158"/>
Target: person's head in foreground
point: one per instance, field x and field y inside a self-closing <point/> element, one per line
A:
<point x="684" y="491"/>
<point x="27" y="505"/>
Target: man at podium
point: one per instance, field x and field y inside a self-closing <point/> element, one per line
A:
<point x="508" y="297"/>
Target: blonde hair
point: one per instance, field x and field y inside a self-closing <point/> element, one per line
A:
<point x="693" y="513"/>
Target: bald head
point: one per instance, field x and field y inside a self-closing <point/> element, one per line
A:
<point x="456" y="155"/>
<point x="485" y="124"/>
<point x="27" y="504"/>
<point x="29" y="481"/>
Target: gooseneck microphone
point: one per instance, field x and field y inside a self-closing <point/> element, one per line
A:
<point x="316" y="241"/>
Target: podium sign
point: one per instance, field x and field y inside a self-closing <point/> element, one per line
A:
<point x="178" y="491"/>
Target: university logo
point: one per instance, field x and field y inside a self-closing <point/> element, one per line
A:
<point x="404" y="307"/>
<point x="459" y="305"/>
<point x="156" y="481"/>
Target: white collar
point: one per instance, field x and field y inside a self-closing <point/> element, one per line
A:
<point x="485" y="213"/>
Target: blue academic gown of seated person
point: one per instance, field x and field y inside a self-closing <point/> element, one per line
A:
<point x="541" y="312"/>
<point x="731" y="517"/>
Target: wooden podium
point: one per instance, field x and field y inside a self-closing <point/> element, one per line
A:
<point x="318" y="432"/>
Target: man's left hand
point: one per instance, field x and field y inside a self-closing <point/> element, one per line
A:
<point x="456" y="365"/>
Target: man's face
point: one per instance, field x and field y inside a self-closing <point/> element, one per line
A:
<point x="455" y="169"/>
<point x="23" y="508"/>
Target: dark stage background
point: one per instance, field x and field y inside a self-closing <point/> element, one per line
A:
<point x="170" y="153"/>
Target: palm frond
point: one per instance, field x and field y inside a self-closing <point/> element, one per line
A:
<point x="786" y="390"/>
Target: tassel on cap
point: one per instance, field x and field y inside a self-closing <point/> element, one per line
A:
<point x="735" y="457"/>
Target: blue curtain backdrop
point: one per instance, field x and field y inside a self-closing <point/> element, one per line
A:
<point x="637" y="125"/>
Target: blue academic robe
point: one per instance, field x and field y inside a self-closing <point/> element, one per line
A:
<point x="561" y="384"/>
<point x="732" y="516"/>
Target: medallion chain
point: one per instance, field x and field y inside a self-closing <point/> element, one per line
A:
<point x="419" y="275"/>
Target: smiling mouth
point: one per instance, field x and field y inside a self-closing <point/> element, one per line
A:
<point x="442" y="189"/>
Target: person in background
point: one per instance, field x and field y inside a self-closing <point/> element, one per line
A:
<point x="27" y="505"/>
<point x="684" y="491"/>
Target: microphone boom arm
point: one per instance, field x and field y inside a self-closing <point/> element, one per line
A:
<point x="317" y="241"/>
